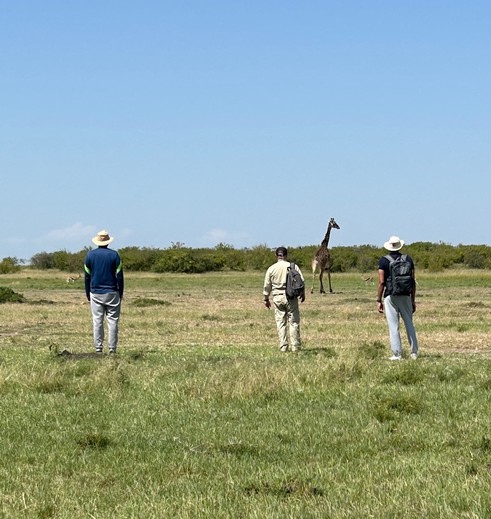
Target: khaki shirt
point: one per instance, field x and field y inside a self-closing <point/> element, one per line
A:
<point x="275" y="278"/>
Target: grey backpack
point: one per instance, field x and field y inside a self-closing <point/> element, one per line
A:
<point x="295" y="286"/>
<point x="400" y="281"/>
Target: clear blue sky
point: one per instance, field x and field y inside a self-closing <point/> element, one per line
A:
<point x="188" y="121"/>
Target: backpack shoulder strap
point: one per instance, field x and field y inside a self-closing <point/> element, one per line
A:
<point x="389" y="257"/>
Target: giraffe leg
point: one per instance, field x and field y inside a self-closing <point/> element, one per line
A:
<point x="314" y="267"/>
<point x="321" y="275"/>
<point x="329" y="278"/>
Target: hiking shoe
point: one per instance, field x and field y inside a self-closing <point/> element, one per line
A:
<point x="395" y="357"/>
<point x="284" y="349"/>
<point x="297" y="349"/>
<point x="112" y="351"/>
<point x="98" y="350"/>
<point x="414" y="356"/>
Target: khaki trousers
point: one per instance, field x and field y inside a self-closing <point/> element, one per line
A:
<point x="287" y="316"/>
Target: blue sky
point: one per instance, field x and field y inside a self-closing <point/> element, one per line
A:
<point x="244" y="123"/>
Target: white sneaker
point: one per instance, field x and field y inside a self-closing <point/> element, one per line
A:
<point x="284" y="349"/>
<point x="414" y="356"/>
<point x="395" y="357"/>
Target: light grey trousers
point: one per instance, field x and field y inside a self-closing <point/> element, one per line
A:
<point x="396" y="307"/>
<point x="108" y="305"/>
<point x="286" y="311"/>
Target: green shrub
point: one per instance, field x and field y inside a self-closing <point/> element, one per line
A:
<point x="7" y="295"/>
<point x="184" y="261"/>
<point x="178" y="258"/>
<point x="139" y="259"/>
<point x="43" y="261"/>
<point x="9" y="265"/>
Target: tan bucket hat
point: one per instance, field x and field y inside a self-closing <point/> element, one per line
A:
<point x="102" y="239"/>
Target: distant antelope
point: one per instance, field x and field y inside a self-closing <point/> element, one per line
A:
<point x="72" y="279"/>
<point x="367" y="279"/>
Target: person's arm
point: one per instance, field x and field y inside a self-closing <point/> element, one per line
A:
<point x="267" y="290"/>
<point x="87" y="277"/>
<point x="120" y="279"/>
<point x="413" y="292"/>
<point x="380" y="290"/>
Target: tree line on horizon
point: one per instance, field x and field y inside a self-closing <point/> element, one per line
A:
<point x="178" y="258"/>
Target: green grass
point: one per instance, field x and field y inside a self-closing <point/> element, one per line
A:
<point x="199" y="415"/>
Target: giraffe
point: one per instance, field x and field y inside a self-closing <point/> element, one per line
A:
<point x="322" y="259"/>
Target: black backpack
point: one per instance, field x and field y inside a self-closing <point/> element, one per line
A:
<point x="295" y="286"/>
<point x="400" y="281"/>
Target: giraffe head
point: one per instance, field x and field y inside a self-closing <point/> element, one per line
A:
<point x="333" y="224"/>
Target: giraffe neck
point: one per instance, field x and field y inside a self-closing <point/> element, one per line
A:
<point x="325" y="241"/>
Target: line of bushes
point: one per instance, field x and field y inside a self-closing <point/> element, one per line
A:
<point x="434" y="257"/>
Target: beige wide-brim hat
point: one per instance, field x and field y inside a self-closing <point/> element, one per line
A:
<point x="102" y="239"/>
<point x="394" y="243"/>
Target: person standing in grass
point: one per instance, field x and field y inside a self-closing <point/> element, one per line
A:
<point x="104" y="287"/>
<point x="397" y="302"/>
<point x="285" y="310"/>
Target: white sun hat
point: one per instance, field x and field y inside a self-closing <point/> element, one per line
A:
<point x="394" y="243"/>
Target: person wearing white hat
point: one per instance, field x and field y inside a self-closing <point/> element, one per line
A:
<point x="104" y="288"/>
<point x="397" y="305"/>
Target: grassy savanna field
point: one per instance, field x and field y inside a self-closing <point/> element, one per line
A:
<point x="200" y="415"/>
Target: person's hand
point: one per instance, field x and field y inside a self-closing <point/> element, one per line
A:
<point x="380" y="307"/>
<point x="267" y="303"/>
<point x="414" y="306"/>
<point x="302" y="298"/>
